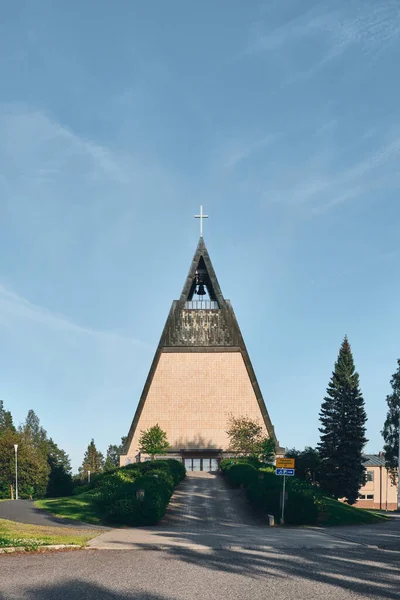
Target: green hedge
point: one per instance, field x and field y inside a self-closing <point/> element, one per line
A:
<point x="263" y="489"/>
<point x="241" y="474"/>
<point x="115" y="492"/>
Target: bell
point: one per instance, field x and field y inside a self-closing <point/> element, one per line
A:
<point x="201" y="291"/>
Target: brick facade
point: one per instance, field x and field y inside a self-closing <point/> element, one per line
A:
<point x="191" y="397"/>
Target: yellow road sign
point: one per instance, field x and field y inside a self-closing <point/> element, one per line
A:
<point x="285" y="463"/>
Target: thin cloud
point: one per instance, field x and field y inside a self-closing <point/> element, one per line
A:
<point x="15" y="307"/>
<point x="332" y="31"/>
<point x="328" y="188"/>
<point x="240" y="151"/>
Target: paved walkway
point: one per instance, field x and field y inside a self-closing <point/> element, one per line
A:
<point x="204" y="513"/>
<point x="24" y="511"/>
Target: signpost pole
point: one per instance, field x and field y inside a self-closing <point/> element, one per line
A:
<point x="283" y="501"/>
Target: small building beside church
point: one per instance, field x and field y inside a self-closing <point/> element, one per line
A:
<point x="378" y="492"/>
<point x="201" y="375"/>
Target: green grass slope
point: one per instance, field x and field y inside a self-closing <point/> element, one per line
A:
<point x="339" y="513"/>
<point x="78" y="508"/>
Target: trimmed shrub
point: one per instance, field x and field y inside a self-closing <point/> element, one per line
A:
<point x="170" y="465"/>
<point x="226" y="463"/>
<point x="302" y="507"/>
<point x="115" y="492"/>
<point x="242" y="474"/>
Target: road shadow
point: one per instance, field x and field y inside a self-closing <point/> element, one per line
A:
<point x="78" y="589"/>
<point x="181" y="572"/>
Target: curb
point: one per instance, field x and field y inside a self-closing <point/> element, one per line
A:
<point x="11" y="549"/>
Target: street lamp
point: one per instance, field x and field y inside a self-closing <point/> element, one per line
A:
<point x="16" y="470"/>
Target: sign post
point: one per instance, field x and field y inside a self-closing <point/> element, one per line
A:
<point x="285" y="467"/>
<point x="283" y="501"/>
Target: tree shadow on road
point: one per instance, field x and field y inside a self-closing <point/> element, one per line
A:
<point x="371" y="573"/>
<point x="76" y="589"/>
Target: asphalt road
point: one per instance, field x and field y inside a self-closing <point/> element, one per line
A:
<point x="186" y="574"/>
<point x="205" y="513"/>
<point x="24" y="511"/>
<point x="209" y="548"/>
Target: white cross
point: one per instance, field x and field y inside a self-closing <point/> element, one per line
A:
<point x="201" y="217"/>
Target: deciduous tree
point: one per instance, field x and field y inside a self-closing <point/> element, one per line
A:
<point x="153" y="441"/>
<point x="60" y="478"/>
<point x="247" y="439"/>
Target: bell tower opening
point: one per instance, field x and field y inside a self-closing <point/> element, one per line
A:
<point x="202" y="295"/>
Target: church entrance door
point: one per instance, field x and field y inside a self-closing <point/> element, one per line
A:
<point x="201" y="464"/>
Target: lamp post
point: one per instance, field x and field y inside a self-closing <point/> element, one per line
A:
<point x="16" y="470"/>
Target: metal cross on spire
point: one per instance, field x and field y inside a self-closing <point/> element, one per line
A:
<point x="201" y="217"/>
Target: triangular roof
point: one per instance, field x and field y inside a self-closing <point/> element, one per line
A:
<point x="174" y="336"/>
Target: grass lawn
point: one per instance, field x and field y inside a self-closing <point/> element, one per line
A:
<point x="339" y="513"/>
<point x="32" y="536"/>
<point x="79" y="508"/>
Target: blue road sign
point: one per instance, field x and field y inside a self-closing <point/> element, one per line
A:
<point x="287" y="472"/>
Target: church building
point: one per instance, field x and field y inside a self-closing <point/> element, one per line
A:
<point x="201" y="375"/>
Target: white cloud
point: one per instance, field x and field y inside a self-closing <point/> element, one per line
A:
<point x="16" y="309"/>
<point x="323" y="185"/>
<point x="239" y="150"/>
<point x="331" y="30"/>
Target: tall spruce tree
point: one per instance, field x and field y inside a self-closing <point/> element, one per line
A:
<point x="391" y="427"/>
<point x="342" y="439"/>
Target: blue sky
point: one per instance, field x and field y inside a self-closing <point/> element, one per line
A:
<point x="117" y="120"/>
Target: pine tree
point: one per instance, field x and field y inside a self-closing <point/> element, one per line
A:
<point x="342" y="431"/>
<point x="93" y="461"/>
<point x="390" y="430"/>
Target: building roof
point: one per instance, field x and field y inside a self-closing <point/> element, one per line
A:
<point x="374" y="460"/>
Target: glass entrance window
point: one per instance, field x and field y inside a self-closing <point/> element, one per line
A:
<point x="206" y="464"/>
<point x="209" y="465"/>
<point x="214" y="464"/>
<point x="197" y="464"/>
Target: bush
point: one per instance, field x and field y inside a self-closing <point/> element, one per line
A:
<point x="115" y="492"/>
<point x="302" y="507"/>
<point x="242" y="474"/>
<point x="226" y="463"/>
<point x="171" y="466"/>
